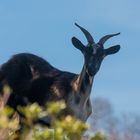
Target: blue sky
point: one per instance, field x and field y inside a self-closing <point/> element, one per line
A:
<point x="45" y="28"/>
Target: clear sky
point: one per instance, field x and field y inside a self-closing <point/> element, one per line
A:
<point x="45" y="28"/>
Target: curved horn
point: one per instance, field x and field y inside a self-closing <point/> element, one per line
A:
<point x="105" y="38"/>
<point x="87" y="34"/>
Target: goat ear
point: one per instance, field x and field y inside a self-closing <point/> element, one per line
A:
<point x="78" y="44"/>
<point x="112" y="50"/>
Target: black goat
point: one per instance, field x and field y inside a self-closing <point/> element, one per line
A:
<point x="33" y="79"/>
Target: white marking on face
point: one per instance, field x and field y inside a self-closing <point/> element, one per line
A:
<point x="94" y="48"/>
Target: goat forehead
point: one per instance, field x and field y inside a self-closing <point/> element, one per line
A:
<point x="94" y="52"/>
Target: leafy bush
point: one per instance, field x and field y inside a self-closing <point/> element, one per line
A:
<point x="62" y="128"/>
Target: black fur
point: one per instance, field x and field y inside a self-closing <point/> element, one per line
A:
<point x="18" y="75"/>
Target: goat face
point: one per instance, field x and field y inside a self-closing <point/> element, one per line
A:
<point x="94" y="53"/>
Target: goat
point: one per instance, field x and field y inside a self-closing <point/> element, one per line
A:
<point x="33" y="79"/>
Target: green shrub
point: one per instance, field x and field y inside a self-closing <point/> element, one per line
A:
<point x="62" y="128"/>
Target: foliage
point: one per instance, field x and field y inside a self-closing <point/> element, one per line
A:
<point x="63" y="128"/>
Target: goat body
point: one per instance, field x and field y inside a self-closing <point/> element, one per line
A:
<point x="33" y="79"/>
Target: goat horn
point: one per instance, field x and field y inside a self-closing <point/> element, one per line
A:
<point x="105" y="38"/>
<point x="87" y="34"/>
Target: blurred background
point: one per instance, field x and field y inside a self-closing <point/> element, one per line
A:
<point x="45" y="28"/>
